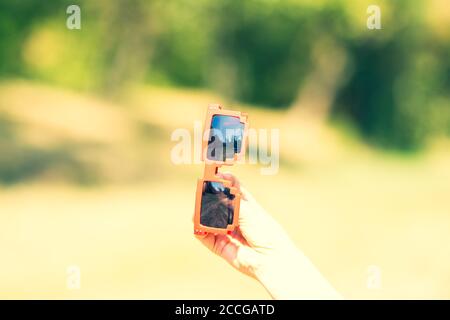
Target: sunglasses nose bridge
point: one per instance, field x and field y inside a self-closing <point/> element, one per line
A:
<point x="211" y="170"/>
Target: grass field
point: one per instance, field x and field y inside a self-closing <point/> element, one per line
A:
<point x="93" y="186"/>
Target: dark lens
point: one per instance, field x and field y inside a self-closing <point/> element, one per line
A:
<point x="215" y="187"/>
<point x="217" y="205"/>
<point x="225" y="138"/>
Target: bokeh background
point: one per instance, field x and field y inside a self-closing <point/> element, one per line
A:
<point x="86" y="118"/>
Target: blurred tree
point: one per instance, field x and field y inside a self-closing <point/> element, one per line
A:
<point x="123" y="29"/>
<point x="267" y="44"/>
<point x="16" y="20"/>
<point x="394" y="81"/>
<point x="394" y="88"/>
<point x="183" y="42"/>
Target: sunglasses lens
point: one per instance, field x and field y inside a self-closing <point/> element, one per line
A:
<point x="217" y="205"/>
<point x="225" y="138"/>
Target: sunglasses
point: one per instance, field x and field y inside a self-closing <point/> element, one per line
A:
<point x="224" y="143"/>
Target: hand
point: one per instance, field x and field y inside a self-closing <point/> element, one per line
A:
<point x="261" y="249"/>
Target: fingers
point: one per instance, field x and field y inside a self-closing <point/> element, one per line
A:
<point x="228" y="176"/>
<point x="223" y="245"/>
<point x="237" y="234"/>
<point x="234" y="183"/>
<point x="217" y="242"/>
<point x="208" y="240"/>
<point x="256" y="227"/>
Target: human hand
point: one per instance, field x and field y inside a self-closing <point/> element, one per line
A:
<point x="261" y="249"/>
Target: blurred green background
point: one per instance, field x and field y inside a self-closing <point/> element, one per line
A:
<point x="86" y="118"/>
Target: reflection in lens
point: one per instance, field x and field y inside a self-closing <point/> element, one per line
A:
<point x="225" y="139"/>
<point x="217" y="205"/>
